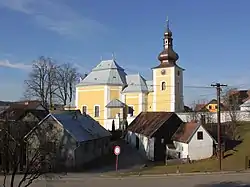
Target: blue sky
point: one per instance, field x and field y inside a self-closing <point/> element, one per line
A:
<point x="211" y="38"/>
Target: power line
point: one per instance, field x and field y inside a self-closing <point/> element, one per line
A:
<point x="132" y="84"/>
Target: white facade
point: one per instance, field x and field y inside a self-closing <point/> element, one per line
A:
<point x="245" y="106"/>
<point x="196" y="149"/>
<point x="225" y="116"/>
<point x="144" y="144"/>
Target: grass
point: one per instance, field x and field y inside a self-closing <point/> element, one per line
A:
<point x="234" y="159"/>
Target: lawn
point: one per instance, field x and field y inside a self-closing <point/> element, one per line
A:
<point x="234" y="159"/>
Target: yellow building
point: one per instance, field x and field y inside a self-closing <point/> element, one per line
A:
<point x="107" y="93"/>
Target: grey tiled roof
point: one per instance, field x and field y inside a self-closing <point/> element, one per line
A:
<point x="108" y="72"/>
<point x="115" y="103"/>
<point x="150" y="85"/>
<point x="136" y="83"/>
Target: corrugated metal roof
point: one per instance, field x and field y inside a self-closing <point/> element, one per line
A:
<point x="83" y="128"/>
<point x="106" y="73"/>
<point x="115" y="103"/>
<point x="135" y="83"/>
<point x="147" y="123"/>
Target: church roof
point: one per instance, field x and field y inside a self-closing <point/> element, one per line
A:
<point x="135" y="83"/>
<point x="107" y="72"/>
<point x="115" y="103"/>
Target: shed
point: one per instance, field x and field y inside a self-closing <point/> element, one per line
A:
<point x="149" y="132"/>
<point x="193" y="141"/>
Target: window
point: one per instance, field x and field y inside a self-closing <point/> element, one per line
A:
<point x="131" y="110"/>
<point x="163" y="86"/>
<point x="97" y="111"/>
<point x="84" y="109"/>
<point x="210" y="107"/>
<point x="199" y="135"/>
<point x="178" y="73"/>
<point x="216" y="107"/>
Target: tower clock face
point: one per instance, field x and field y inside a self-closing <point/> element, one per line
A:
<point x="163" y="72"/>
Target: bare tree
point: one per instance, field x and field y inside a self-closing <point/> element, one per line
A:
<point x="27" y="149"/>
<point x="231" y="104"/>
<point x="41" y="82"/>
<point x="66" y="78"/>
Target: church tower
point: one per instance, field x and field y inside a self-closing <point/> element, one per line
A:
<point x="168" y="78"/>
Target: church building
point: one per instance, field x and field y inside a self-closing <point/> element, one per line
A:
<point x="108" y="94"/>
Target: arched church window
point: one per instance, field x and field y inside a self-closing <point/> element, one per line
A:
<point x="163" y="86"/>
<point x="84" y="109"/>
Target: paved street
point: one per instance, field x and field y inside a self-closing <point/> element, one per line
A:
<point x="175" y="181"/>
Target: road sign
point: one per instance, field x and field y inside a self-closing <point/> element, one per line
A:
<point x="117" y="150"/>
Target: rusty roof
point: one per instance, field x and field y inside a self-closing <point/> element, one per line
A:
<point x="185" y="132"/>
<point x="15" y="114"/>
<point x="26" y="105"/>
<point x="147" y="123"/>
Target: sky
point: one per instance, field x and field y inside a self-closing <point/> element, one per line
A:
<point x="211" y="38"/>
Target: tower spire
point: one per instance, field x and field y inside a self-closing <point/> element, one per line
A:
<point x="168" y="55"/>
<point x="167" y="23"/>
<point x="113" y="56"/>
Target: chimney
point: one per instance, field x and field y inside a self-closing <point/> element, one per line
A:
<point x="203" y="119"/>
<point x="74" y="116"/>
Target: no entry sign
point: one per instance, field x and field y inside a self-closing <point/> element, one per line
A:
<point x="117" y="150"/>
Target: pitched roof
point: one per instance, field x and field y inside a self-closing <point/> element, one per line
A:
<point x="15" y="114"/>
<point x="115" y="103"/>
<point x="108" y="72"/>
<point x="147" y="123"/>
<point x="135" y="83"/>
<point x="246" y="103"/>
<point x="83" y="128"/>
<point x="186" y="131"/>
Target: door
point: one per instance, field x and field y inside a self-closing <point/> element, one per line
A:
<point x="137" y="142"/>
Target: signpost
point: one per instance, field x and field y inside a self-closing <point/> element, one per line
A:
<point x="117" y="151"/>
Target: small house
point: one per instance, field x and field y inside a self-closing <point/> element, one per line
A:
<point x="79" y="139"/>
<point x="193" y="141"/>
<point x="150" y="132"/>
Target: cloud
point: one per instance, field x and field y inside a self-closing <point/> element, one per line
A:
<point x="55" y="16"/>
<point x="8" y="64"/>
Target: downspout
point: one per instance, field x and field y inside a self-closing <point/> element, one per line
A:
<point x="77" y="146"/>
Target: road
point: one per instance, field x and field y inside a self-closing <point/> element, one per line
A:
<point x="212" y="180"/>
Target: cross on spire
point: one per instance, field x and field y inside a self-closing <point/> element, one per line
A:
<point x="167" y="22"/>
<point x="113" y="56"/>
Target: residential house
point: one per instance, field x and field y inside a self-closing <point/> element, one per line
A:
<point x="20" y="121"/>
<point x="4" y="105"/>
<point x="149" y="132"/>
<point x="211" y="106"/>
<point x="235" y="98"/>
<point x="108" y="82"/>
<point x="245" y="106"/>
<point x="79" y="139"/>
<point x="193" y="141"/>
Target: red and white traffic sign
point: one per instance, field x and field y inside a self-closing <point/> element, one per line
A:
<point x="117" y="150"/>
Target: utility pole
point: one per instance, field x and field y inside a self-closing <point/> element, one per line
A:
<point x="218" y="89"/>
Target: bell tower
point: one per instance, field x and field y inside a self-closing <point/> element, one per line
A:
<point x="168" y="78"/>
